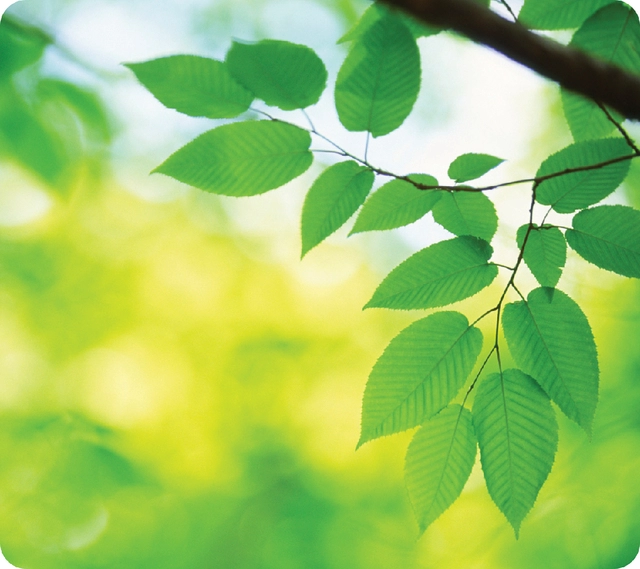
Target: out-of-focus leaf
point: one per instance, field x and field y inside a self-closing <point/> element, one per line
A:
<point x="334" y="197"/>
<point x="608" y="236"/>
<point x="558" y="14"/>
<point x="578" y="190"/>
<point x="438" y="275"/>
<point x="467" y="213"/>
<point x="545" y="253"/>
<point x="551" y="340"/>
<point x="397" y="203"/>
<point x="282" y="74"/>
<point x="21" y="44"/>
<point x="419" y="373"/>
<point x="613" y="35"/>
<point x="193" y="85"/>
<point x="242" y="159"/>
<point x="471" y="166"/>
<point x="518" y="436"/>
<point x="439" y="462"/>
<point x="379" y="81"/>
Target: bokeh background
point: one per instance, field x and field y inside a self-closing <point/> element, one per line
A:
<point x="179" y="390"/>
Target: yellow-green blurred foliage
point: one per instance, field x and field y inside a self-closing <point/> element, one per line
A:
<point x="174" y="395"/>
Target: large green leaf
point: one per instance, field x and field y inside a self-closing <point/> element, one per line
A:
<point x="337" y="193"/>
<point x="439" y="462"/>
<point x="545" y="253"/>
<point x="608" y="236"/>
<point x="282" y="74"/>
<point x="193" y="85"/>
<point x="518" y="436"/>
<point x="471" y="166"/>
<point x="379" y="80"/>
<point x="438" y="275"/>
<point x="467" y="213"/>
<point x="578" y="190"/>
<point x="613" y="35"/>
<point x="242" y="159"/>
<point x="397" y="203"/>
<point x="374" y="13"/>
<point x="21" y="44"/>
<point x="558" y="14"/>
<point x="551" y="340"/>
<point x="419" y="373"/>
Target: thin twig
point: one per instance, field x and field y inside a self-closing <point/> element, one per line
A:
<point x="620" y="129"/>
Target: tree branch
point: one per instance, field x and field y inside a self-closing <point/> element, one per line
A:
<point x="571" y="68"/>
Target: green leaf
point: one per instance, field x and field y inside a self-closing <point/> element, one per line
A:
<point x="439" y="462"/>
<point x="578" y="190"/>
<point x="471" y="166"/>
<point x="613" y="35"/>
<point x="550" y="339"/>
<point x="374" y="13"/>
<point x="558" y="14"/>
<point x="242" y="159"/>
<point x="608" y="236"/>
<point x="467" y="213"/>
<point x="419" y="373"/>
<point x="193" y="85"/>
<point x="518" y="437"/>
<point x="438" y="275"/>
<point x="379" y="80"/>
<point x="397" y="203"/>
<point x="282" y="74"/>
<point x="337" y="193"/>
<point x="21" y="44"/>
<point x="545" y="253"/>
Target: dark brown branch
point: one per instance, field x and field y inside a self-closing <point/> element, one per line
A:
<point x="572" y="69"/>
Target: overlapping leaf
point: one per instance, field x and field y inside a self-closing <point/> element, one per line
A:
<point x="608" y="236"/>
<point x="467" y="213"/>
<point x="379" y="80"/>
<point x="438" y="275"/>
<point x="518" y="436"/>
<point x="242" y="159"/>
<point x="545" y="253"/>
<point x="196" y="86"/>
<point x="558" y="14"/>
<point x="419" y="373"/>
<point x="397" y="203"/>
<point x="551" y="340"/>
<point x="613" y="35"/>
<point x="439" y="462"/>
<point x="471" y="166"/>
<point x="337" y="193"/>
<point x="578" y="190"/>
<point x="282" y="74"/>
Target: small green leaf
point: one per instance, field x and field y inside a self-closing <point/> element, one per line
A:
<point x="613" y="35"/>
<point x="379" y="81"/>
<point x="397" y="203"/>
<point x="558" y="14"/>
<point x="419" y="373"/>
<point x="438" y="275"/>
<point x="545" y="253"/>
<point x="471" y="166"/>
<point x="193" y="85"/>
<point x="439" y="462"/>
<point x="242" y="159"/>
<point x="283" y="74"/>
<point x="337" y="193"/>
<point x="609" y="237"/>
<point x="551" y="340"/>
<point x="518" y="437"/>
<point x="376" y="11"/>
<point x="467" y="213"/>
<point x="578" y="190"/>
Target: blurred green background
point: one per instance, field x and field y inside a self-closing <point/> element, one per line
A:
<point x="178" y="390"/>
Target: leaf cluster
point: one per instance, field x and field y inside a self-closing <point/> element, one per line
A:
<point x="418" y="380"/>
